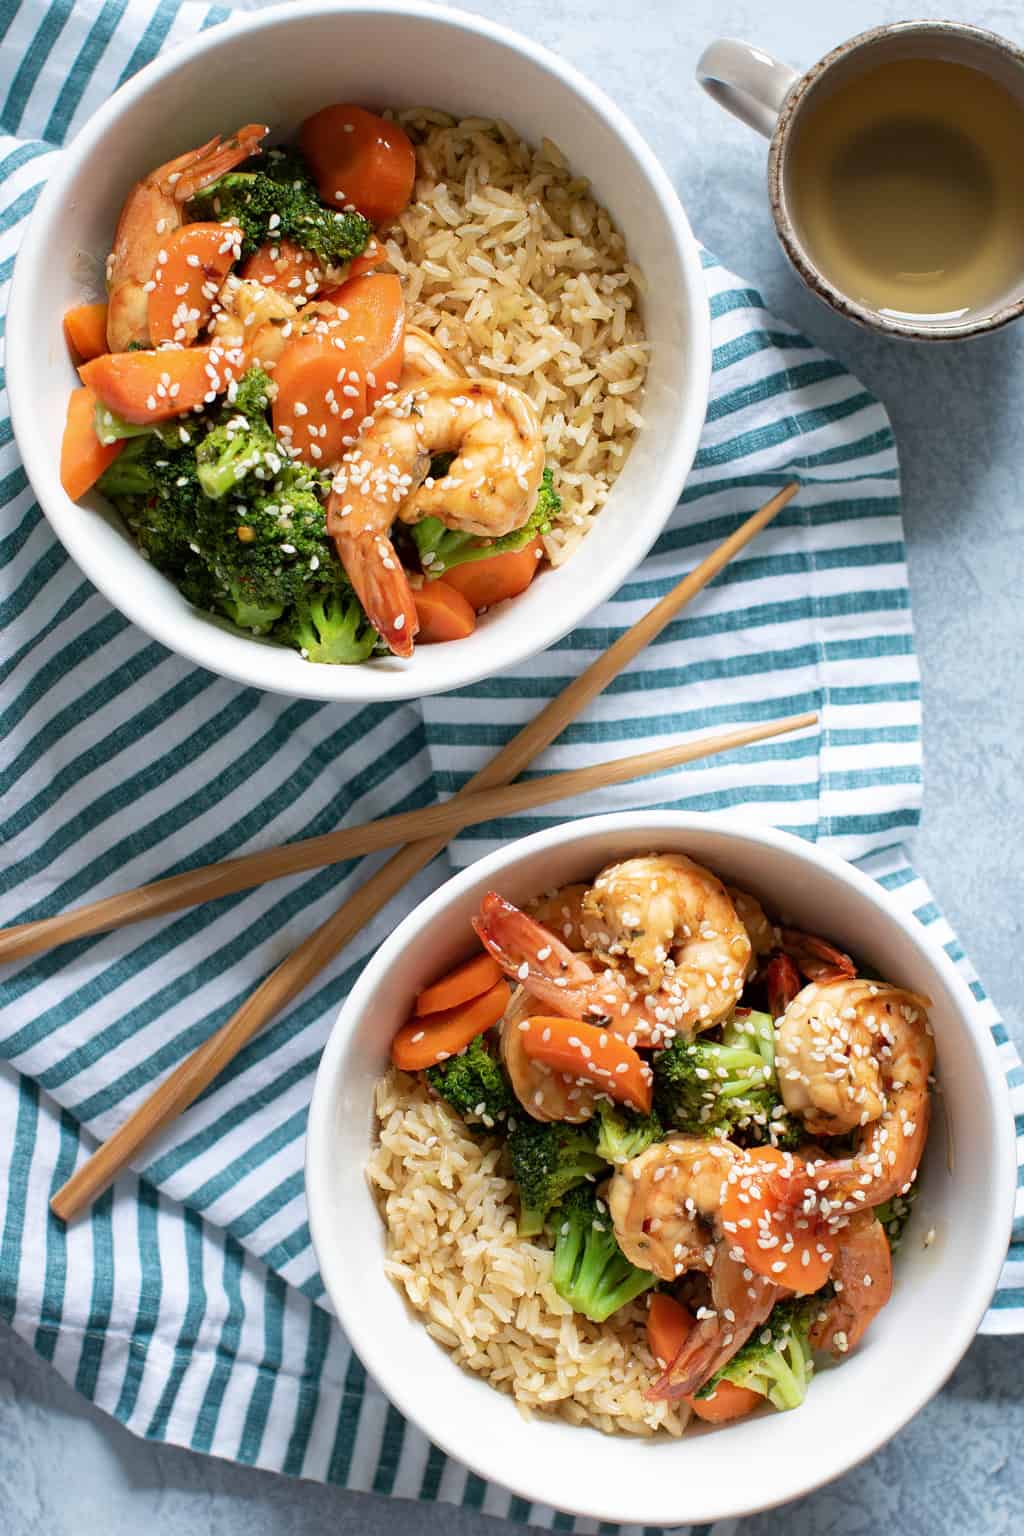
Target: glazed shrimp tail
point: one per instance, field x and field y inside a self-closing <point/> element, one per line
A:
<point x="532" y="955"/>
<point x="196" y="168"/>
<point x="816" y="958"/>
<point x="381" y="584"/>
<point x="740" y="1306"/>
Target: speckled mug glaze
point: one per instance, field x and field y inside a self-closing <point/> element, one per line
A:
<point x="770" y="97"/>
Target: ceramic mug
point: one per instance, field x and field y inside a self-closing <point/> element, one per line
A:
<point x="774" y="99"/>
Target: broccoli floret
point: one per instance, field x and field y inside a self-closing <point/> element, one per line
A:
<point x="624" y="1133"/>
<point x="252" y="199"/>
<point x="283" y="163"/>
<point x="241" y="441"/>
<point x="777" y="1362"/>
<point x="329" y="626"/>
<point x="251" y="395"/>
<point x="130" y="474"/>
<point x="549" y="1159"/>
<point x="590" y="1270"/>
<point x="157" y="472"/>
<point x="474" y="1084"/>
<point x="440" y="548"/>
<point x="895" y="1214"/>
<point x="268" y="544"/>
<point x="707" y="1087"/>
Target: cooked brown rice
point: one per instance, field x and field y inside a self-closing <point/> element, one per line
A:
<point x="483" y="1291"/>
<point x="509" y="261"/>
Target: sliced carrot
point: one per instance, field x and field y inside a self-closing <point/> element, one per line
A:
<point x="422" y="1042"/>
<point x="373" y="256"/>
<point x="155" y="386"/>
<point x="585" y="1050"/>
<point x="466" y="981"/>
<point x="359" y="160"/>
<point x="320" y="399"/>
<point x="727" y="1402"/>
<point x="443" y="613"/>
<point x="762" y="1212"/>
<point x="486" y="582"/>
<point x="197" y="259"/>
<point x="85" y="328"/>
<point x="668" y="1327"/>
<point x="282" y="264"/>
<point x="372" y="323"/>
<point x="83" y="458"/>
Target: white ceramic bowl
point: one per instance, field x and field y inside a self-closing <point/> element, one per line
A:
<point x="276" y="66"/>
<point x="940" y="1291"/>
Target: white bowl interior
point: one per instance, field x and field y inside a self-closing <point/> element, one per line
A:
<point x="277" y="67"/>
<point x="940" y="1293"/>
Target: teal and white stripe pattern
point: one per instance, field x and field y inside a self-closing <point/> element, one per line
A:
<point x="188" y="1304"/>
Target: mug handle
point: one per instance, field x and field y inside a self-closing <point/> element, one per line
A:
<point x="746" y="81"/>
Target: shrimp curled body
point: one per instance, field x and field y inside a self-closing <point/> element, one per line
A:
<point x="856" y="1055"/>
<point x="674" y="923"/>
<point x="665" y="1207"/>
<point x="150" y="214"/>
<point x="489" y="490"/>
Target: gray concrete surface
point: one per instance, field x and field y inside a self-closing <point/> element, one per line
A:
<point x="958" y="1470"/>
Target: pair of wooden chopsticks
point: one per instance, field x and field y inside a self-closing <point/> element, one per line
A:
<point x="484" y="796"/>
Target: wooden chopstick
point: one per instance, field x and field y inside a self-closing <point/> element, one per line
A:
<point x="182" y="1086"/>
<point x="211" y="881"/>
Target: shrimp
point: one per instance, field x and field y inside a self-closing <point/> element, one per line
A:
<point x="254" y="316"/>
<point x="664" y="1207"/>
<point x="543" y="1093"/>
<point x="857" y="1055"/>
<point x="761" y="931"/>
<point x="151" y="212"/>
<point x="816" y="958"/>
<point x="862" y="1277"/>
<point x="674" y="921"/>
<point x="561" y="910"/>
<point x="423" y="357"/>
<point x="563" y="982"/>
<point x="490" y="489"/>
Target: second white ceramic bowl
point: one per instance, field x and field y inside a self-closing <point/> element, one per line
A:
<point x="277" y="66"/>
<point x="941" y="1291"/>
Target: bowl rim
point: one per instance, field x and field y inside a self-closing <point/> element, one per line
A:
<point x="372" y="685"/>
<point x="406" y="1396"/>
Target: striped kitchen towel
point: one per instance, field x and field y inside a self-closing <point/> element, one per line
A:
<point x="188" y="1304"/>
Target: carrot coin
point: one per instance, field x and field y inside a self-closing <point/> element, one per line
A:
<point x="586" y="1050"/>
<point x="321" y="400"/>
<point x="193" y="263"/>
<point x="763" y="1214"/>
<point x="466" y="981"/>
<point x="156" y="386"/>
<point x="359" y="161"/>
<point x="83" y="458"/>
<point x="422" y="1042"/>
<point x="85" y="327"/>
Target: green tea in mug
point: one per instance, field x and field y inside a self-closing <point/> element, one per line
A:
<point x="906" y="186"/>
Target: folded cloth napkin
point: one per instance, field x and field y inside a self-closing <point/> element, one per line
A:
<point x="189" y="1305"/>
